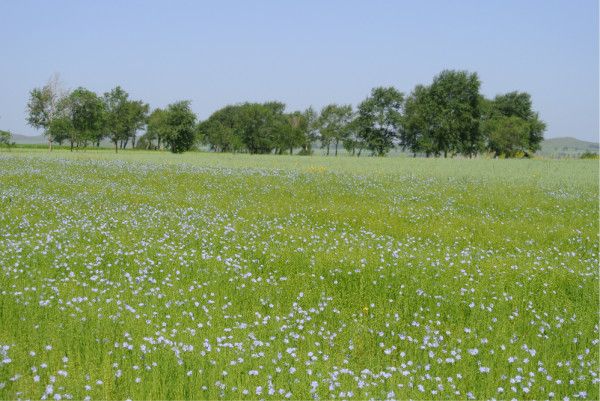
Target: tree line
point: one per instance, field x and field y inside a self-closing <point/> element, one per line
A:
<point x="445" y="118"/>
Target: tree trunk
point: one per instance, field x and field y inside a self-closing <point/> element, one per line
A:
<point x="71" y="146"/>
<point x="445" y="153"/>
<point x="328" y="149"/>
<point x="116" y="147"/>
<point x="336" y="145"/>
<point x="133" y="141"/>
<point x="50" y="144"/>
<point x="291" y="150"/>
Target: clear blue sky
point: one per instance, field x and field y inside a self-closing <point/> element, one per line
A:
<point x="302" y="52"/>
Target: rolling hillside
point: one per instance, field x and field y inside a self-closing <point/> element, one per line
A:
<point x="566" y="147"/>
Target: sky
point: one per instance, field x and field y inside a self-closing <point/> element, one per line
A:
<point x="302" y="52"/>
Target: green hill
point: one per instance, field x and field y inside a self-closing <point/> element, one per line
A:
<point x="28" y="139"/>
<point x="566" y="147"/>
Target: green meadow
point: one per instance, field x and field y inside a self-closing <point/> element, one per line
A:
<point x="149" y="275"/>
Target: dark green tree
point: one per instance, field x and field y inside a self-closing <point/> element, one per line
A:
<point x="380" y="119"/>
<point x="518" y="104"/>
<point x="156" y="128"/>
<point x="333" y="125"/>
<point x="455" y="104"/>
<point x="419" y="122"/>
<point x="136" y="118"/>
<point x="180" y="126"/>
<point x="86" y="113"/>
<point x="294" y="131"/>
<point x="222" y="130"/>
<point x="311" y="135"/>
<point x="61" y="129"/>
<point x="259" y="126"/>
<point x="353" y="142"/>
<point x="507" y="136"/>
<point x="116" y="115"/>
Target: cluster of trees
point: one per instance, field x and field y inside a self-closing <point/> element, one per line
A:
<point x="447" y="117"/>
<point x="81" y="117"/>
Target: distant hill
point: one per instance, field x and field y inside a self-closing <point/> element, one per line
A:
<point x="28" y="140"/>
<point x="566" y="147"/>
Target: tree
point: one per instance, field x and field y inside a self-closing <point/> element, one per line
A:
<point x="444" y="116"/>
<point x="294" y="130"/>
<point x="116" y="115"/>
<point x="44" y="106"/>
<point x="86" y="113"/>
<point x="61" y="129"/>
<point x="518" y="104"/>
<point x="254" y="127"/>
<point x="221" y="131"/>
<point x="507" y="135"/>
<point x="311" y="134"/>
<point x="333" y="125"/>
<point x="136" y="118"/>
<point x="455" y="100"/>
<point x="180" y="126"/>
<point x="379" y="119"/>
<point x="418" y="122"/>
<point x="6" y="139"/>
<point x="156" y="128"/>
<point x="353" y="142"/>
<point x="259" y="125"/>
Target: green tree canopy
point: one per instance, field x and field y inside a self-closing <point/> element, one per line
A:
<point x="333" y="125"/>
<point x="517" y="104"/>
<point x="221" y="131"/>
<point x="180" y="126"/>
<point x="507" y="135"/>
<point x="46" y="104"/>
<point x="294" y="129"/>
<point x="86" y="113"/>
<point x="380" y="119"/>
<point x="156" y="128"/>
<point x="254" y="127"/>
<point x="116" y="115"/>
<point x="61" y="129"/>
<point x="455" y="101"/>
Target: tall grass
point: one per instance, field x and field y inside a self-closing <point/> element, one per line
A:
<point x="147" y="275"/>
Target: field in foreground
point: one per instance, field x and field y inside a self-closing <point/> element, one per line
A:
<point x="154" y="276"/>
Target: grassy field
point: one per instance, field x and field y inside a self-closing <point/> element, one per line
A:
<point x="156" y="276"/>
